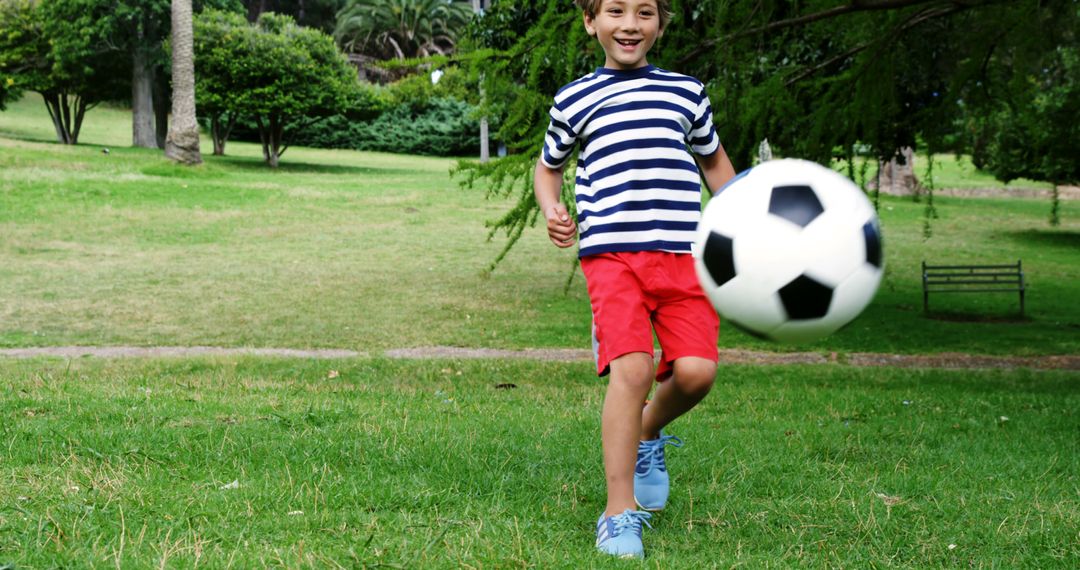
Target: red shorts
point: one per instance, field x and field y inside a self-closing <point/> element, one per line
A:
<point x="634" y="293"/>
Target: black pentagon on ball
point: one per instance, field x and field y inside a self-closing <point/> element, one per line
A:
<point x="805" y="298"/>
<point x="719" y="258"/>
<point x="796" y="204"/>
<point x="873" y="243"/>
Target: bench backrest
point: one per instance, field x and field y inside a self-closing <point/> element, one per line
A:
<point x="1008" y="277"/>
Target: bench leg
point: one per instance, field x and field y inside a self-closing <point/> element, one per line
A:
<point x="1021" y="302"/>
<point x="926" y="301"/>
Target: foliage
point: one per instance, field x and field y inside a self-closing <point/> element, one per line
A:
<point x="77" y="53"/>
<point x="1034" y="134"/>
<point x="518" y="83"/>
<point x="20" y="43"/>
<point x="439" y="127"/>
<point x="401" y="29"/>
<point x="319" y="14"/>
<point x="216" y="93"/>
<point x="818" y="79"/>
<point x="281" y="75"/>
<point x="412" y="116"/>
<point x="53" y="48"/>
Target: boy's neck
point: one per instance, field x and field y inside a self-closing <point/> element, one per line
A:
<point x="609" y="70"/>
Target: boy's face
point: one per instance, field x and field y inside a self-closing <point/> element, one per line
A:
<point x="627" y="30"/>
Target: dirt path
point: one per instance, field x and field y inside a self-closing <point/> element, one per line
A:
<point x="727" y="356"/>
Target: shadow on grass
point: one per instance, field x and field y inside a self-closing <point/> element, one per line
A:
<point x="25" y="136"/>
<point x="257" y="164"/>
<point x="966" y="317"/>
<point x="1052" y="238"/>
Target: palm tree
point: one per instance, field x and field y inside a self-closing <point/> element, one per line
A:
<point x="182" y="143"/>
<point x="388" y="29"/>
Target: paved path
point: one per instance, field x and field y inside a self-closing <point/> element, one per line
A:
<point x="727" y="356"/>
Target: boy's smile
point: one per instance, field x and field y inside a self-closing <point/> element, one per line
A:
<point x="627" y="30"/>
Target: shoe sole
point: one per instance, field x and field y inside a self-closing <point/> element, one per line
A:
<point x="648" y="509"/>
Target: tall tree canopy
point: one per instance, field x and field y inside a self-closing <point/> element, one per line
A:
<point x="818" y="78"/>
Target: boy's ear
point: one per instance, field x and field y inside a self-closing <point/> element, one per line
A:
<point x="589" y="28"/>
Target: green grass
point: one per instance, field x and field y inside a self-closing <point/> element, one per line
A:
<point x="373" y="462"/>
<point x="372" y="251"/>
<point x="953" y="172"/>
<point x="431" y="464"/>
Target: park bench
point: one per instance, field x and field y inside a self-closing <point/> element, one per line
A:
<point x="1008" y="278"/>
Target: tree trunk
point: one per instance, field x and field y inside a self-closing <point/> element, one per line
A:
<point x="52" y="103"/>
<point x="272" y="134"/>
<point x="1055" y="205"/>
<point x="220" y="129"/>
<point x="161" y="108"/>
<point x="80" y="112"/>
<point x="899" y="179"/>
<point x="66" y="121"/>
<point x="485" y="146"/>
<point x="276" y="131"/>
<point x="255" y="9"/>
<point x="182" y="144"/>
<point x="142" y="100"/>
<point x="217" y="135"/>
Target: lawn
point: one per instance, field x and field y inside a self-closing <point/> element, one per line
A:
<point x="369" y="463"/>
<point x="374" y="462"/>
<point x="367" y="251"/>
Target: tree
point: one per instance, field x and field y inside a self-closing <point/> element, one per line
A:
<point x="281" y="75"/>
<point x="182" y="143"/>
<point x="138" y="30"/>
<point x="388" y="29"/>
<point x="216" y="93"/>
<point x="8" y="90"/>
<point x="821" y="79"/>
<point x="52" y="48"/>
<point x="1035" y="134"/>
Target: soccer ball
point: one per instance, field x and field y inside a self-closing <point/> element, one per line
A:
<point x="789" y="250"/>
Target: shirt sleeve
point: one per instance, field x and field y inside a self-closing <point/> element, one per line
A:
<point x="559" y="141"/>
<point x="702" y="137"/>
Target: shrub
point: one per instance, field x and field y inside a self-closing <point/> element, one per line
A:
<point x="439" y="127"/>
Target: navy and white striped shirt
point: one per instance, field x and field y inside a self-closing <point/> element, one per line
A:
<point x="638" y="187"/>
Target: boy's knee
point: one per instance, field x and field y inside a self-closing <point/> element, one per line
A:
<point x="635" y="369"/>
<point x="694" y="375"/>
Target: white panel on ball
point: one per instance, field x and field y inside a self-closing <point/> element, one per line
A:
<point x="855" y="293"/>
<point x="831" y="249"/>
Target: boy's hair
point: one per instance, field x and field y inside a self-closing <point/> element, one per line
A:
<point x="590" y="7"/>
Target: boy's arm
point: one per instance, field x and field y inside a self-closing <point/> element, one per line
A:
<point x="717" y="169"/>
<point x="548" y="187"/>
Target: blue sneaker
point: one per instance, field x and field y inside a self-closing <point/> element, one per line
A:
<point x="620" y="535"/>
<point x="651" y="481"/>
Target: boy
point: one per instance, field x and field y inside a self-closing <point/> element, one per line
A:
<point x="638" y="201"/>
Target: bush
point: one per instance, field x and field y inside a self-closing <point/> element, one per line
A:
<point x="440" y="127"/>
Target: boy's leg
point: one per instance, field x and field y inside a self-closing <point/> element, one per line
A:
<point x="631" y="378"/>
<point x="692" y="379"/>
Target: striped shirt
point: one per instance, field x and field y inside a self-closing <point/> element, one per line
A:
<point x="638" y="187"/>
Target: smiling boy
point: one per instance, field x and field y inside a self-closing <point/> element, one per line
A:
<point x="638" y="196"/>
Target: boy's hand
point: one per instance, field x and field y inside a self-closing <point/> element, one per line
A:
<point x="561" y="228"/>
